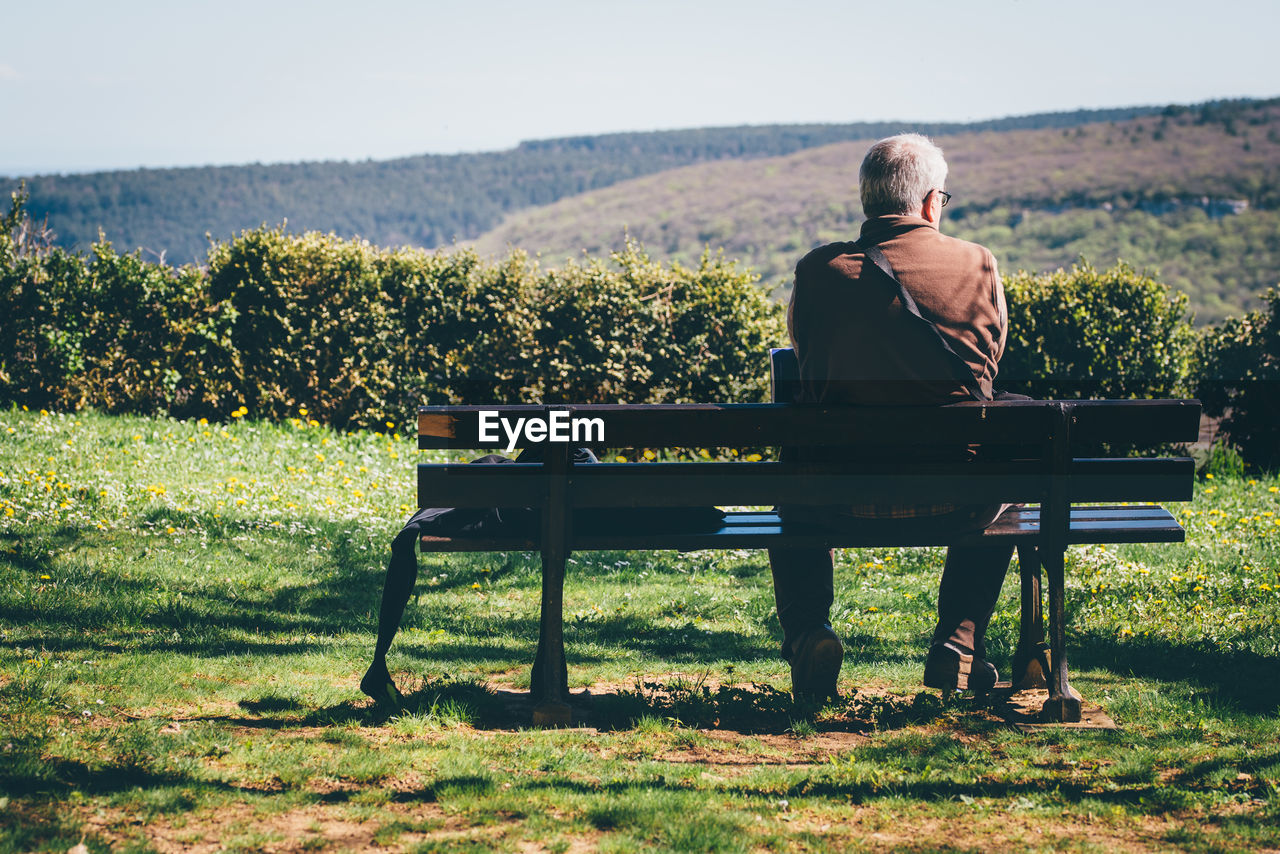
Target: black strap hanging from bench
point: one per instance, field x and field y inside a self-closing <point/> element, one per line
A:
<point x="959" y="367"/>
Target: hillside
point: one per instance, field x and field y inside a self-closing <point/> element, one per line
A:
<point x="428" y="200"/>
<point x="1193" y="192"/>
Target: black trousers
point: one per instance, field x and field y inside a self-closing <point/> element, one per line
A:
<point x="804" y="584"/>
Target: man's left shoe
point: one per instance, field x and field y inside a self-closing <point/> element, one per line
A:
<point x="377" y="683"/>
<point x="950" y="668"/>
<point x="815" y="665"/>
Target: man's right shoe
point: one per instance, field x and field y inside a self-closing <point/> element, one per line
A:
<point x="950" y="668"/>
<point x="815" y="665"/>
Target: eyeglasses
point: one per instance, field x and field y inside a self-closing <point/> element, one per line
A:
<point x="946" y="197"/>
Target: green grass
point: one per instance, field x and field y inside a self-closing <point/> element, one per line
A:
<point x="185" y="610"/>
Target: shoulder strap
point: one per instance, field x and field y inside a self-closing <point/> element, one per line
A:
<point x="959" y="367"/>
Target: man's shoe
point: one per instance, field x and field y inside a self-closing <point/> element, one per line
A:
<point x="950" y="668"/>
<point x="815" y="665"/>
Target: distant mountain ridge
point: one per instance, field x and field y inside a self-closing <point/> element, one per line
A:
<point x="1191" y="192"/>
<point x="427" y="200"/>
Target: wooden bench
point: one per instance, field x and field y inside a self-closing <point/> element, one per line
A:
<point x="1027" y="458"/>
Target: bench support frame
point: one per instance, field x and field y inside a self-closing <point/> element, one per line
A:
<point x="1046" y="429"/>
<point x="549" y="683"/>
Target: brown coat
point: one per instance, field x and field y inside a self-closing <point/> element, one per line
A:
<point x="856" y="344"/>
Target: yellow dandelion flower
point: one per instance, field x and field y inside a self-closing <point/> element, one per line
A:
<point x="171" y="530"/>
<point x="475" y="585"/>
<point x="1269" y="489"/>
<point x="240" y="502"/>
<point x="302" y="410"/>
<point x="314" y="423"/>
<point x="357" y="493"/>
<point x="203" y="422"/>
<point x="44" y="578"/>
<point x="1209" y="475"/>
<point x="649" y="455"/>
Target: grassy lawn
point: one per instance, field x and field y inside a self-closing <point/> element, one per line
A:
<point x="186" y="608"/>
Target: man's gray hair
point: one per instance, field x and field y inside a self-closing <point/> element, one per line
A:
<point x="898" y="173"/>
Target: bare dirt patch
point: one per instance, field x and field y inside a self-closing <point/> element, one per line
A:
<point x="313" y="827"/>
<point x="988" y="829"/>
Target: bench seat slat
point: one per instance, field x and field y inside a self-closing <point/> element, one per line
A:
<point x="756" y="530"/>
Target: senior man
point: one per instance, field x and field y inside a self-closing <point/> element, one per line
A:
<point x="905" y="315"/>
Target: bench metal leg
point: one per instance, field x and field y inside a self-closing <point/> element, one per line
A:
<point x="1032" y="661"/>
<point x="549" y="683"/>
<point x="1063" y="703"/>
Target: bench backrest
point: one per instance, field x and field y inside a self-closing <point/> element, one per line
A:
<point x="1027" y="454"/>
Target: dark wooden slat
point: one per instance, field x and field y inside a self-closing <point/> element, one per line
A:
<point x="694" y="484"/>
<point x="1131" y="479"/>
<point x="771" y="424"/>
<point x="1135" y="421"/>
<point x="462" y="485"/>
<point x="758" y="425"/>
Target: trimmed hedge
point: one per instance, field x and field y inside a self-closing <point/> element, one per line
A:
<point x="1239" y="378"/>
<point x="359" y="335"/>
<point x="1082" y="332"/>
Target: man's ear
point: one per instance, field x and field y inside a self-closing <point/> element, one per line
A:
<point x="930" y="210"/>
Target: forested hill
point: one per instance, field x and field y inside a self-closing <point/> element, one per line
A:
<point x="1193" y="193"/>
<point x="428" y="200"/>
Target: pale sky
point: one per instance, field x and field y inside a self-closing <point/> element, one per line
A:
<point x="134" y="83"/>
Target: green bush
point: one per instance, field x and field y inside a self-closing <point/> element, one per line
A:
<point x="359" y="334"/>
<point x="1239" y="379"/>
<point x="107" y="330"/>
<point x="1081" y="332"/>
<point x="311" y="326"/>
<point x="654" y="334"/>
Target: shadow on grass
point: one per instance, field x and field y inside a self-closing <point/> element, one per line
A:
<point x="60" y="776"/>
<point x="111" y="611"/>
<point x="1242" y="679"/>
<point x="746" y="708"/>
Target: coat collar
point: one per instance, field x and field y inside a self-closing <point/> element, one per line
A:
<point x="881" y="228"/>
